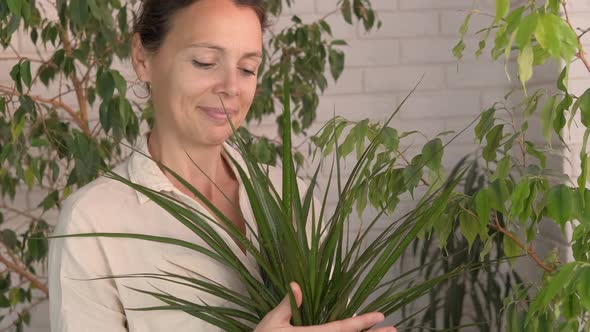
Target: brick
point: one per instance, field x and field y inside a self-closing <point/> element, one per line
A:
<point x="578" y="86"/>
<point x="580" y="5"/>
<point x="578" y="70"/>
<point x="326" y="6"/>
<point x="439" y="50"/>
<point x="403" y="78"/>
<point x="379" y="5"/>
<point x="430" y="128"/>
<point x="476" y="75"/>
<point x="341" y="29"/>
<point x="426" y="105"/>
<point x="366" y="53"/>
<point x="437" y="4"/>
<point x="405" y="24"/>
<point x="351" y="81"/>
<point x="300" y="7"/>
<point x="451" y="21"/>
<point x="356" y="107"/>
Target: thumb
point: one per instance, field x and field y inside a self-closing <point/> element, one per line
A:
<point x="283" y="311"/>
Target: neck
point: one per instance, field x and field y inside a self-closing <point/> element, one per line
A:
<point x="197" y="164"/>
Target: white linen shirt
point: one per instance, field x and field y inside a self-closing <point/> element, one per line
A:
<point x="107" y="205"/>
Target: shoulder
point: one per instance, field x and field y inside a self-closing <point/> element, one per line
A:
<point x="87" y="205"/>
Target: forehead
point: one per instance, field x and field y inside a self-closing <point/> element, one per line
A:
<point x="219" y="22"/>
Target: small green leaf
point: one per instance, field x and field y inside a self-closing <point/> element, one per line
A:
<point x="16" y="77"/>
<point x="547" y="118"/>
<point x="525" y="64"/>
<point x="519" y="197"/>
<point x="556" y="284"/>
<point x="432" y="154"/>
<point x="526" y="29"/>
<point x="559" y="120"/>
<point x="346" y="10"/>
<point x="336" y="59"/>
<point x="511" y="249"/>
<point x="547" y="35"/>
<point x="465" y="26"/>
<point x="458" y="49"/>
<point x="487" y="247"/>
<point x="560" y="204"/>
<point x="562" y="80"/>
<point x="390" y="138"/>
<point x="483" y="206"/>
<point x="105" y="85"/>
<point x="120" y="82"/>
<point x="486" y="122"/>
<point x="583" y="288"/>
<point x="584" y="104"/>
<point x="25" y="73"/>
<point x="503" y="168"/>
<point x="530" y="149"/>
<point x="9" y="238"/>
<point x="413" y="173"/>
<point x="50" y="200"/>
<point x="15" y="7"/>
<point x="493" y="139"/>
<point x="502" y="7"/>
<point x="469" y="227"/>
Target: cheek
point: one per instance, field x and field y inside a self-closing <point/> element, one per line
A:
<point x="248" y="93"/>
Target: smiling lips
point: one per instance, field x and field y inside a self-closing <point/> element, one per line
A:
<point x="217" y="113"/>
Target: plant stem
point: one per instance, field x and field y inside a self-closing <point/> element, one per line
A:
<point x="83" y="122"/>
<point x="530" y="250"/>
<point x="581" y="54"/>
<point x="56" y="103"/>
<point x="25" y="274"/>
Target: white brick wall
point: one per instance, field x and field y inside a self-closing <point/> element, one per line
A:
<point x="416" y="38"/>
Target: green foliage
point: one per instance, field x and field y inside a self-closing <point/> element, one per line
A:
<point x="536" y="33"/>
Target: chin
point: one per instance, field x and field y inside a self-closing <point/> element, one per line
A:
<point x="219" y="136"/>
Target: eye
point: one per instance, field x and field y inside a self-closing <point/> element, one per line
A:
<point x="249" y="72"/>
<point x="202" y="64"/>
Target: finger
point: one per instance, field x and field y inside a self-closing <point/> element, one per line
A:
<point x="282" y="313"/>
<point x="353" y="324"/>
<point x="384" y="329"/>
<point x="297" y="293"/>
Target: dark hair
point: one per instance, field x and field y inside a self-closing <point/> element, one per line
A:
<point x="154" y="18"/>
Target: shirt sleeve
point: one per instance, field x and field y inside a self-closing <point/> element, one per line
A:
<point x="76" y="303"/>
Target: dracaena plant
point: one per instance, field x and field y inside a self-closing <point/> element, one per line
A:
<point x="298" y="240"/>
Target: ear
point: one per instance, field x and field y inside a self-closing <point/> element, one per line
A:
<point x="140" y="59"/>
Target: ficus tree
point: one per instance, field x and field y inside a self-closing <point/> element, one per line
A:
<point x="49" y="142"/>
<point x="511" y="191"/>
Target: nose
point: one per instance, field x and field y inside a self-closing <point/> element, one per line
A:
<point x="228" y="85"/>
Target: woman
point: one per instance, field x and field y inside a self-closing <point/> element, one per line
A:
<point x="194" y="56"/>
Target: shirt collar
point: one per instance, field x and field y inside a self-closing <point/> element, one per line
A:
<point x="146" y="172"/>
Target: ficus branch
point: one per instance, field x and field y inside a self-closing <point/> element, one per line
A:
<point x="530" y="250"/>
<point x="581" y="54"/>
<point x="55" y="103"/>
<point x="80" y="95"/>
<point x="498" y="227"/>
<point x="23" y="272"/>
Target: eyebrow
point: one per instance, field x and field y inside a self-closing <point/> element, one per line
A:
<point x="221" y="49"/>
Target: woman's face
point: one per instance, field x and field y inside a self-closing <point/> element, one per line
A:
<point x="208" y="61"/>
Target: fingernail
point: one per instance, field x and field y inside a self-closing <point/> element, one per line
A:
<point x="379" y="317"/>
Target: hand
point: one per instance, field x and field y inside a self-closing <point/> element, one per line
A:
<point x="278" y="319"/>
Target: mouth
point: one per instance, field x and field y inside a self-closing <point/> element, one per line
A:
<point x="217" y="113"/>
